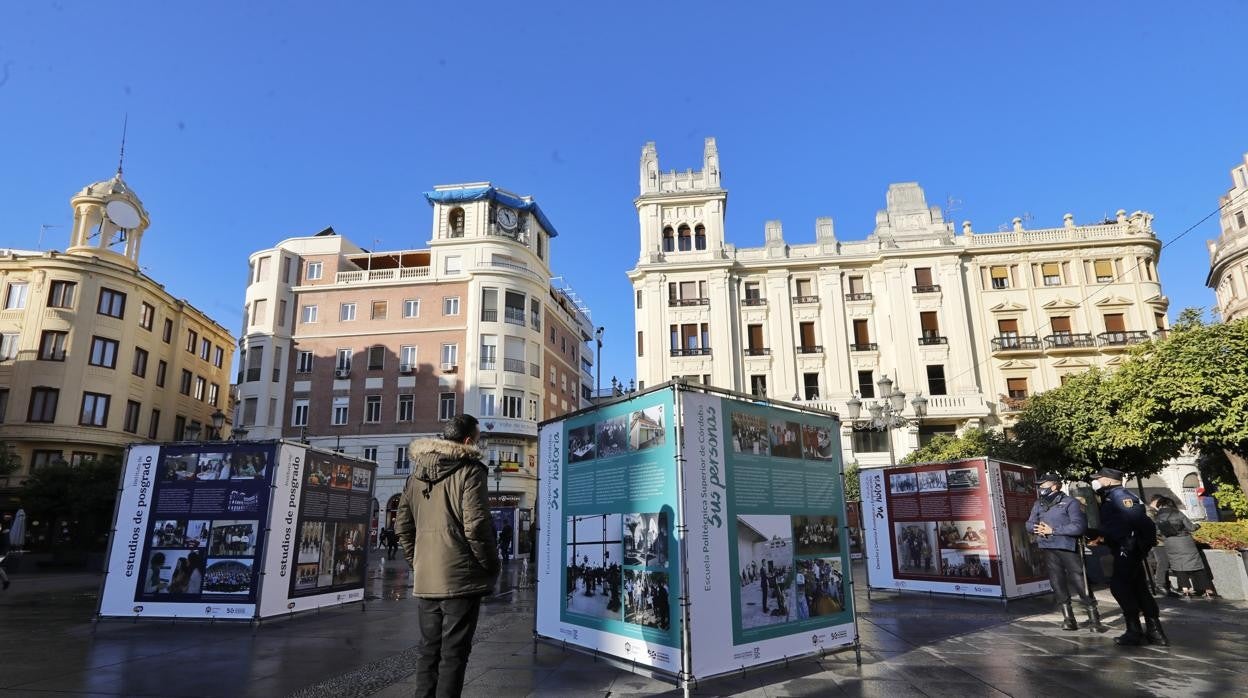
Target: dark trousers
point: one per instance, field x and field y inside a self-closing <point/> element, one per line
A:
<point x="1066" y="576"/>
<point x="1129" y="585"/>
<point x="1161" y="567"/>
<point x="1197" y="580"/>
<point x="446" y="629"/>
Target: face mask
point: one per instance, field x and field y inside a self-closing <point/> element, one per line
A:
<point x="1096" y="485"/>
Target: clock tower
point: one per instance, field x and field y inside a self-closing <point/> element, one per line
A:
<point x="109" y="221"/>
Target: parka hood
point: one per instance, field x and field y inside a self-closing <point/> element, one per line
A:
<point x="433" y="460"/>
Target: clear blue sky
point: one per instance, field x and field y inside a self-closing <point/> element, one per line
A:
<point x="252" y="122"/>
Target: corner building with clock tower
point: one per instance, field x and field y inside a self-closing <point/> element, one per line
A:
<point x="363" y="350"/>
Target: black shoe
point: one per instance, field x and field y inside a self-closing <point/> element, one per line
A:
<point x="1068" y="617"/>
<point x="1154" y="634"/>
<point x="1134" y="635"/>
<point x="1094" y="620"/>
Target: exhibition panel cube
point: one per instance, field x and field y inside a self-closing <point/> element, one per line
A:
<point x="694" y="532"/>
<point x="957" y="527"/>
<point x="237" y="530"/>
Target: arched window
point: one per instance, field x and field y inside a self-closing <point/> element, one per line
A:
<point x="669" y="240"/>
<point x="392" y="510"/>
<point x="456" y="219"/>
<point x="699" y="237"/>
<point x="685" y="240"/>
<point x="1191" y="481"/>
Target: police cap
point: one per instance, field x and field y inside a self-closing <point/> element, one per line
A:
<point x="1048" y="477"/>
<point x="1112" y="474"/>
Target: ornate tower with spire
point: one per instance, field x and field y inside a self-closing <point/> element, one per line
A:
<point x="109" y="220"/>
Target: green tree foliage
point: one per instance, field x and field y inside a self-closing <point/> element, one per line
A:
<point x="1078" y="428"/>
<point x="971" y="443"/>
<point x="81" y="495"/>
<point x="1192" y="387"/>
<point x="1231" y="498"/>
<point x="9" y="461"/>
<point x="853" y="488"/>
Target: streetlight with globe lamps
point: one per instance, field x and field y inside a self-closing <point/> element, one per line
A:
<point x="218" y="422"/>
<point x="886" y="414"/>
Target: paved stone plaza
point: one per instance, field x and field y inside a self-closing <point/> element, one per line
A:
<point x="914" y="645"/>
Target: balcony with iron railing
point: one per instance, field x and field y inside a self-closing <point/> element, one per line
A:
<point x="489" y="315"/>
<point x="703" y="351"/>
<point x="800" y="300"/>
<point x="754" y="301"/>
<point x="682" y="302"/>
<point x="857" y="296"/>
<point x="864" y="346"/>
<point x="757" y="351"/>
<point x="1122" y="339"/>
<point x="513" y="315"/>
<point x="535" y="370"/>
<point x="810" y="349"/>
<point x="1070" y="341"/>
<point x="514" y="365"/>
<point x="932" y="340"/>
<point x="1013" y="403"/>
<point x="253" y="374"/>
<point x="535" y="321"/>
<point x="927" y="288"/>
<point x="1016" y="343"/>
<point x="489" y="364"/>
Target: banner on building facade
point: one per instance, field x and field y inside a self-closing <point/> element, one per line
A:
<point x="757" y="491"/>
<point x="199" y="532"/>
<point x="956" y="527"/>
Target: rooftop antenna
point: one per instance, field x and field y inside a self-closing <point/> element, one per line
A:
<point x="43" y="229"/>
<point x="122" y="158"/>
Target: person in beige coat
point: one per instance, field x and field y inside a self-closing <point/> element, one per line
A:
<point x="444" y="526"/>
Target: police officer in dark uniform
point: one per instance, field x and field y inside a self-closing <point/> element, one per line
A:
<point x="1129" y="533"/>
<point x="1058" y="522"/>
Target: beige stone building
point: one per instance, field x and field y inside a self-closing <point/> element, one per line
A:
<point x="94" y="353"/>
<point x="973" y="321"/>
<point x="1228" y="255"/>
<point x="363" y="350"/>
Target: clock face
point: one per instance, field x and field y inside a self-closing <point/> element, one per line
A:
<point x="506" y="218"/>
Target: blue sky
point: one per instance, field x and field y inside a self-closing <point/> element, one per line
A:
<point x="253" y="122"/>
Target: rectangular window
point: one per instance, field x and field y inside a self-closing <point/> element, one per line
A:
<point x="161" y="369"/>
<point x="262" y="268"/>
<point x="923" y="276"/>
<point x="446" y="406"/>
<point x="1060" y="324"/>
<point x="140" y="362"/>
<point x="205" y="349"/>
<point x="1051" y="273"/>
<point x="1007" y="328"/>
<point x="862" y="334"/>
<point x="1000" y="277"/>
<point x="15" y="297"/>
<point x="641" y="343"/>
<point x="200" y="388"/>
<point x="346" y="312"/>
<point x="752" y="290"/>
<point x="192" y="339"/>
<point x="42" y="405"/>
<point x="179" y="427"/>
<point x="341" y="414"/>
<point x="214" y="394"/>
<point x="372" y="409"/>
<point x="299" y="413"/>
<point x="450" y="355"/>
<point x="281" y="313"/>
<point x="166" y="334"/>
<point x="41" y="457"/>
<point x="52" y="345"/>
<point x="755" y="337"/>
<point x="376" y="357"/>
<point x="61" y="294"/>
<point x="153" y="425"/>
<point x="147" y="316"/>
<point x="803" y="289"/>
<point x="929" y="324"/>
<point x="8" y="346"/>
<point x="935" y="379"/>
<point x="638" y="294"/>
<point x="94" y="410"/>
<point x="1016" y="387"/>
<point x="856" y="286"/>
<point x="218" y="357"/>
<point x="131" y="423"/>
<point x="869" y="441"/>
<point x="315" y="270"/>
<point x="1104" y="270"/>
<point x="112" y="303"/>
<point x="260" y="312"/>
<point x="307" y="314"/>
<point x="370" y="453"/>
<point x="806" y="332"/>
<point x="103" y="352"/>
<point x="866" y="384"/>
<point x="1114" y="323"/>
<point x="407" y="408"/>
<point x="513" y="404"/>
<point x="810" y="386"/>
<point x="184" y="386"/>
<point x="407" y="358"/>
<point x="450" y="306"/>
<point x="303" y="362"/>
<point x="285" y="270"/>
<point x="489" y="352"/>
<point x="487" y="404"/>
<point x="379" y="309"/>
<point x="411" y="308"/>
<point x="344" y="360"/>
<point x="758" y="386"/>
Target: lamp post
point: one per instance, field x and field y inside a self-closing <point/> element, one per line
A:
<point x="218" y="422"/>
<point x="598" y="363"/>
<point x="886" y="414"/>
<point x="498" y="475"/>
<point x="191" y="433"/>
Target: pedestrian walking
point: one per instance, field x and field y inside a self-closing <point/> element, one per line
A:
<point x="1176" y="530"/>
<point x="504" y="543"/>
<point x="1058" y="521"/>
<point x="392" y="543"/>
<point x="1129" y="533"/>
<point x="6" y="528"/>
<point x="444" y="525"/>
